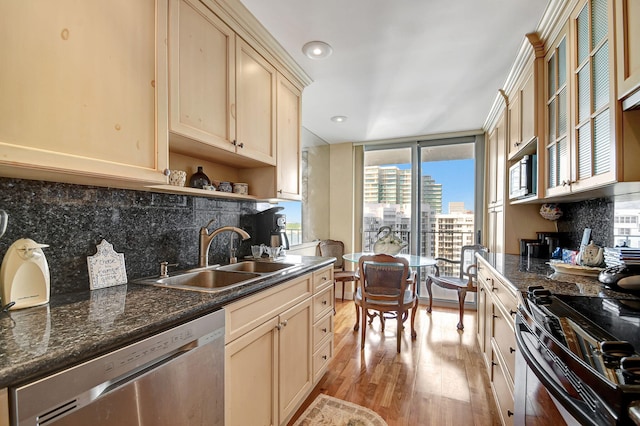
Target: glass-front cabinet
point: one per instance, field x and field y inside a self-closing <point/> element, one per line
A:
<point x="557" y="118"/>
<point x="591" y="68"/>
<point x="579" y="121"/>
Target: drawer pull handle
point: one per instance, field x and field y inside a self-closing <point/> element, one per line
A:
<point x="324" y="357"/>
<point x="512" y="312"/>
<point x="493" y="363"/>
<point x="511" y="350"/>
<point x="509" y="413"/>
<point x="324" y="302"/>
<point x="487" y="279"/>
<point x="324" y="278"/>
<point x="494" y="288"/>
<point x="324" y="330"/>
<point x="494" y="316"/>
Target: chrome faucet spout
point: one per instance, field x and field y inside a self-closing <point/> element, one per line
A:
<point x="206" y="238"/>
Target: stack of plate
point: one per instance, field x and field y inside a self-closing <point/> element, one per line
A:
<point x="620" y="256"/>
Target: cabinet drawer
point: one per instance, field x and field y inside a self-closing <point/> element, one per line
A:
<point x="321" y="360"/>
<point x="503" y="392"/>
<point x="501" y="293"/>
<point x="322" y="303"/>
<point x="322" y="278"/>
<point x="505" y="340"/>
<point x="245" y="314"/>
<point x="322" y="330"/>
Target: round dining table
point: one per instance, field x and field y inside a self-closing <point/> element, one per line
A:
<point x="414" y="261"/>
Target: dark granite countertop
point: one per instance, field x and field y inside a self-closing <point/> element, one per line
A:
<point x="522" y="272"/>
<point x="75" y="327"/>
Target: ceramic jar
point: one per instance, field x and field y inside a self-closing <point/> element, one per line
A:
<point x="241" y="188"/>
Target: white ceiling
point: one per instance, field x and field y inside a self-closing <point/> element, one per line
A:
<point x="400" y="68"/>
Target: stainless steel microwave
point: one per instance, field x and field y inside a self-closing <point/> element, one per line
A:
<point x="523" y="178"/>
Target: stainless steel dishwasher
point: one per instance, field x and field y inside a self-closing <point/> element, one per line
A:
<point x="173" y="378"/>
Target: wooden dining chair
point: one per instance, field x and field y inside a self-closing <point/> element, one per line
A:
<point x="334" y="248"/>
<point x="463" y="283"/>
<point x="384" y="287"/>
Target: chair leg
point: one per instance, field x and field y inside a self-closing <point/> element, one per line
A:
<point x="343" y="285"/>
<point x="399" y="331"/>
<point x="414" y="309"/>
<point x="428" y="284"/>
<point x="462" y="294"/>
<point x="357" y="326"/>
<point x="364" y="327"/>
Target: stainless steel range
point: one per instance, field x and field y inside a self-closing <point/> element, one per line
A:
<point x="584" y="350"/>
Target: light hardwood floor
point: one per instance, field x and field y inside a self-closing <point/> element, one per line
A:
<point x="438" y="379"/>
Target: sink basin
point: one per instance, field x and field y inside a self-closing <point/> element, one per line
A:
<point x="203" y="280"/>
<point x="256" y="267"/>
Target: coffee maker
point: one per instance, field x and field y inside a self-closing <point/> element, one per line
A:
<point x="271" y="227"/>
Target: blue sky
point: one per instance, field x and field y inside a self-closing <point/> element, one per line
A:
<point x="456" y="177"/>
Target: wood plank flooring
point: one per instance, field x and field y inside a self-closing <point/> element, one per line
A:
<point x="438" y="379"/>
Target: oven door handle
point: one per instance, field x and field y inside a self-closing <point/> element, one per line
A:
<point x="557" y="391"/>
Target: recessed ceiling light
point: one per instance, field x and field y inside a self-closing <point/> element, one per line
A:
<point x="317" y="49"/>
<point x="338" y="118"/>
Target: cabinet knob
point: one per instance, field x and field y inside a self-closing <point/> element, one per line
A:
<point x="494" y="316"/>
<point x="284" y="323"/>
<point x="512" y="312"/>
<point x="511" y="350"/>
<point x="509" y="413"/>
<point x="324" y="357"/>
<point x="487" y="279"/>
<point x="324" y="330"/>
<point x="493" y="363"/>
<point x="517" y="144"/>
<point x="235" y="143"/>
<point x="324" y="278"/>
<point x="166" y="172"/>
<point x="324" y="302"/>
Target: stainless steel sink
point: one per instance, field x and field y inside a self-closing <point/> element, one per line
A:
<point x="209" y="280"/>
<point x="256" y="266"/>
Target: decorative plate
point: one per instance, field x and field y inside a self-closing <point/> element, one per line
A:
<point x="567" y="268"/>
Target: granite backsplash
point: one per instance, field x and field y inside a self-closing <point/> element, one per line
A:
<point x="147" y="227"/>
<point x="596" y="214"/>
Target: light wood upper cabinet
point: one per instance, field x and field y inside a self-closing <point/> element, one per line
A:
<point x="289" y="112"/>
<point x="256" y="105"/>
<point x="222" y="91"/>
<point x="496" y="160"/>
<point x="79" y="92"/>
<point x="627" y="21"/>
<point x="201" y="77"/>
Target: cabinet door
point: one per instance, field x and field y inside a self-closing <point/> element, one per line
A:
<point x="288" y="140"/>
<point x="495" y="234"/>
<point x="79" y="91"/>
<point x="528" y="109"/>
<point x="558" y="165"/>
<point x="496" y="161"/>
<point x="201" y="75"/>
<point x="593" y="127"/>
<point x="515" y="129"/>
<point x="628" y="46"/>
<point x="251" y="377"/>
<point x="256" y="105"/>
<point x="296" y="352"/>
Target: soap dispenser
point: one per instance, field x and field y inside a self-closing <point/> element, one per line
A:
<point x="24" y="275"/>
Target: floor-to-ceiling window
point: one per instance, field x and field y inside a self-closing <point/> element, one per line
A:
<point x="426" y="192"/>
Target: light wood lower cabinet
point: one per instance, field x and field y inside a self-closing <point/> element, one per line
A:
<point x="4" y="407"/>
<point x="278" y="344"/>
<point x="497" y="303"/>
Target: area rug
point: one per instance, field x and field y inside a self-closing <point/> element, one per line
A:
<point x="329" y="411"/>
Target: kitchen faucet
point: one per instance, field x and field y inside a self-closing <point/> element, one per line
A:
<point x="206" y="237"/>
